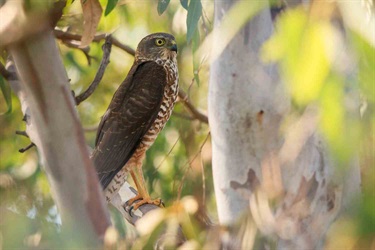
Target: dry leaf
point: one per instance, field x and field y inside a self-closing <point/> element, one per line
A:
<point x="92" y="11"/>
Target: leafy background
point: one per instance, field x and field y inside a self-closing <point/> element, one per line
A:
<point x="306" y="47"/>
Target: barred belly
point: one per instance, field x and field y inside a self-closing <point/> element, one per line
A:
<point x="164" y="114"/>
<point x="166" y="107"/>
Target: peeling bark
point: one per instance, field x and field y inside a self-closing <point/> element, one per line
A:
<point x="244" y="114"/>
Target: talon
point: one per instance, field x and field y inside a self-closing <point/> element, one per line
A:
<point x="156" y="202"/>
<point x="130" y="211"/>
<point x="134" y="199"/>
<point x="142" y="195"/>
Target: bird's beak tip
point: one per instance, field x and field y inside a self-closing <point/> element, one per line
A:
<point x="174" y="47"/>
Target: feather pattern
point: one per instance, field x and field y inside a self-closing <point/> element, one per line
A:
<point x="131" y="113"/>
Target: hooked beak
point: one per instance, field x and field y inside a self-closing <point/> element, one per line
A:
<point x="173" y="47"/>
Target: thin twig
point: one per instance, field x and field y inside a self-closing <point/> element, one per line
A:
<point x="187" y="166"/>
<point x="70" y="36"/>
<point x="85" y="50"/>
<point x="191" y="108"/>
<point x="123" y="46"/>
<point x="183" y="116"/>
<point x="99" y="75"/>
<point x="8" y="75"/>
<point x="91" y="128"/>
<point x="166" y="156"/>
<point x="23" y="150"/>
<point x="204" y="16"/>
<point x="203" y="184"/>
<point x="23" y="133"/>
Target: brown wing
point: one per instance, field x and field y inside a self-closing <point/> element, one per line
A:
<point x="130" y="114"/>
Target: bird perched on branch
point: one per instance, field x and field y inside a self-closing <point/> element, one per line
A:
<point x="137" y="113"/>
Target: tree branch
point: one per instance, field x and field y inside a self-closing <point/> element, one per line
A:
<point x="8" y="75"/>
<point x="23" y="133"/>
<point x="99" y="75"/>
<point x="23" y="150"/>
<point x="120" y="202"/>
<point x="191" y="108"/>
<point x="62" y="35"/>
<point x="85" y="50"/>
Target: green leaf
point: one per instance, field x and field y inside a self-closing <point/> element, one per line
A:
<point x="5" y="89"/>
<point x="366" y="64"/>
<point x="110" y="6"/>
<point x="194" y="13"/>
<point x="162" y="6"/>
<point x="184" y="4"/>
<point x="340" y="130"/>
<point x="196" y="59"/>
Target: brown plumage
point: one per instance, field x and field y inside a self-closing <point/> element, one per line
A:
<point x="137" y="113"/>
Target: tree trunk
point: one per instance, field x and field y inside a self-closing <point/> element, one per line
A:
<point x="252" y="161"/>
<point x="53" y="125"/>
<point x="243" y="119"/>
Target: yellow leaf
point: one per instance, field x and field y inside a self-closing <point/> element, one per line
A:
<point x="308" y="73"/>
<point x="303" y="47"/>
<point x="339" y="127"/>
<point x="332" y="111"/>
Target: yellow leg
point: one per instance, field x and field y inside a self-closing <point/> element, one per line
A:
<point x="140" y="183"/>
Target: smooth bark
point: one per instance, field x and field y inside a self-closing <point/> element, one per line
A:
<point x="244" y="114"/>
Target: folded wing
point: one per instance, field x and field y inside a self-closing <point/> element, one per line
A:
<point x="129" y="116"/>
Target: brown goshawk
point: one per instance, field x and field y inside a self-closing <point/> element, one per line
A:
<point x="137" y="113"/>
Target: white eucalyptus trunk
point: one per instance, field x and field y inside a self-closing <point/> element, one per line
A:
<point x="254" y="162"/>
<point x="52" y="123"/>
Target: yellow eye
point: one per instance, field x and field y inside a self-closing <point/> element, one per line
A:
<point x="159" y="42"/>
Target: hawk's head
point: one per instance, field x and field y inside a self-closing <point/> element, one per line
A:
<point x="157" y="46"/>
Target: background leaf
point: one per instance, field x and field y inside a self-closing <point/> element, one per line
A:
<point x="194" y="13"/>
<point x="110" y="6"/>
<point x="92" y="11"/>
<point x="162" y="6"/>
<point x="366" y="64"/>
<point x="184" y="4"/>
<point x="302" y="48"/>
<point x="7" y="96"/>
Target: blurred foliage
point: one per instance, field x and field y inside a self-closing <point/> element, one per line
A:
<point x="162" y="6"/>
<point x="318" y="69"/>
<point x="320" y="63"/>
<point x="325" y="64"/>
<point x="110" y="6"/>
<point x="5" y="89"/>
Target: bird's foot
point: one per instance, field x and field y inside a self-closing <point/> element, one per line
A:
<point x="141" y="201"/>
